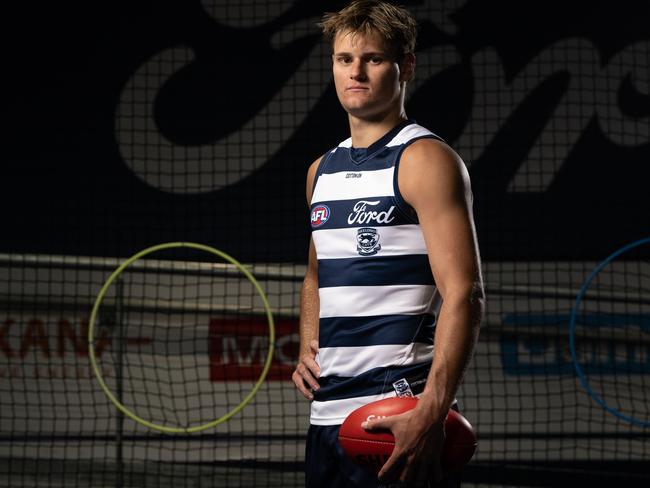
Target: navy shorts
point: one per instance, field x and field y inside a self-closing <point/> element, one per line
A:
<point x="327" y="466"/>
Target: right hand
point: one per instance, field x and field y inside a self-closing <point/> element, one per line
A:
<point x="307" y="372"/>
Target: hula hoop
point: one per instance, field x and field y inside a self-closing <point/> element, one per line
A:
<point x="574" y="314"/>
<point x="91" y="330"/>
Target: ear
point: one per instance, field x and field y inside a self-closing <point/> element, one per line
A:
<point x="407" y="67"/>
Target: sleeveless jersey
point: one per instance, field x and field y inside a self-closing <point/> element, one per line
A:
<point x="378" y="299"/>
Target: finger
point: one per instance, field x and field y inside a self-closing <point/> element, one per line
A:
<point x="307" y="376"/>
<point x="378" y="424"/>
<point x="300" y="385"/>
<point x="393" y="467"/>
<point x="312" y="366"/>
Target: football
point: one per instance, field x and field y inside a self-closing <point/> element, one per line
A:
<point x="372" y="449"/>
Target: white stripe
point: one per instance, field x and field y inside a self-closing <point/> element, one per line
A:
<point x="334" y="412"/>
<point x="395" y="240"/>
<point x="366" y="301"/>
<point x="345" y="143"/>
<point x="352" y="361"/>
<point x="407" y="133"/>
<point x="336" y="186"/>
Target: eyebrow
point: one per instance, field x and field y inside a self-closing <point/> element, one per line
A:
<point x="372" y="53"/>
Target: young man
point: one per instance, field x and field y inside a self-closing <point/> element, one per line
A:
<point x="393" y="262"/>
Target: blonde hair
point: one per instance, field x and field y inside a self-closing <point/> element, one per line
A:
<point x="394" y="24"/>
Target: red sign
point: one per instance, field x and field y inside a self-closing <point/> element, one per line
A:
<point x="239" y="347"/>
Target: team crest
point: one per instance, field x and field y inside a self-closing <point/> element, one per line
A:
<point x="367" y="241"/>
<point x="320" y="215"/>
<point x="402" y="388"/>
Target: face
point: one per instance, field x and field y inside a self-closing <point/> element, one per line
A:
<point x="369" y="82"/>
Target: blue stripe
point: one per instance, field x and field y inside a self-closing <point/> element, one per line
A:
<point x="376" y="331"/>
<point x="372" y="382"/>
<point x="365" y="215"/>
<point x="410" y="269"/>
<point x="341" y="160"/>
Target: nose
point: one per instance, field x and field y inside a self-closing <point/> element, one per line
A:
<point x="357" y="70"/>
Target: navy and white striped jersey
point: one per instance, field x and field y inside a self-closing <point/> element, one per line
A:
<point x="378" y="299"/>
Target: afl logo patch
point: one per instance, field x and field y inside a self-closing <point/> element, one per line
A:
<point x="320" y="215"/>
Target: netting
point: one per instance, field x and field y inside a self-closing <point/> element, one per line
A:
<point x="198" y="123"/>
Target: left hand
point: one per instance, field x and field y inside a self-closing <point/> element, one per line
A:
<point x="418" y="445"/>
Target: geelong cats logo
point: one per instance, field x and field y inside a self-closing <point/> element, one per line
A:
<point x="367" y="241"/>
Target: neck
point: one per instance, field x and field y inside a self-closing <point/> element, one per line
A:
<point x="365" y="131"/>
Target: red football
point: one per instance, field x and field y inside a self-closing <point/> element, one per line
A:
<point x="372" y="449"/>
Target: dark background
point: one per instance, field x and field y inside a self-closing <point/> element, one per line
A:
<point x="66" y="190"/>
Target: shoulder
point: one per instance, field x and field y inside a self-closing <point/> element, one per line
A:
<point x="313" y="167"/>
<point x="433" y="153"/>
<point x="430" y="164"/>
<point x="311" y="175"/>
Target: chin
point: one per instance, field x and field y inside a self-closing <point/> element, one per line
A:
<point x="358" y="107"/>
<point x="363" y="112"/>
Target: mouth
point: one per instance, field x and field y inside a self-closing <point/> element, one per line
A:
<point x="356" y="88"/>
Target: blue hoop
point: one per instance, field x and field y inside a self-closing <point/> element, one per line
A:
<point x="572" y="323"/>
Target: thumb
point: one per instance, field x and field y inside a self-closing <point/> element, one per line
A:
<point x="377" y="424"/>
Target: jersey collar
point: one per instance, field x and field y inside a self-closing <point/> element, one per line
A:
<point x="360" y="154"/>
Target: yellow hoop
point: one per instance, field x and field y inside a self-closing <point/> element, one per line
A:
<point x="91" y="333"/>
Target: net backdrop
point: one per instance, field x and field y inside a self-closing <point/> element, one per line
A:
<point x="197" y="123"/>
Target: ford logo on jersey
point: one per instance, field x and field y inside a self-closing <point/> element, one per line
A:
<point x="362" y="215"/>
<point x="320" y="215"/>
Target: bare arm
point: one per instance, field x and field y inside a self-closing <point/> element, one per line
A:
<point x="307" y="371"/>
<point x="434" y="181"/>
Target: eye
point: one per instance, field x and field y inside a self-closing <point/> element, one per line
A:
<point x="343" y="59"/>
<point x="376" y="60"/>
